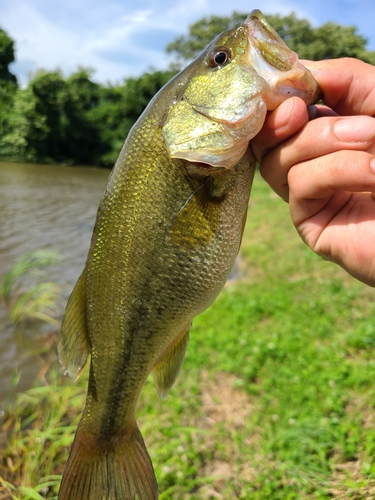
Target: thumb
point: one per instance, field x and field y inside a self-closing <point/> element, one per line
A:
<point x="284" y="121"/>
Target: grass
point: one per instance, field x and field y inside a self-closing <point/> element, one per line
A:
<point x="36" y="301"/>
<point x="276" y="397"/>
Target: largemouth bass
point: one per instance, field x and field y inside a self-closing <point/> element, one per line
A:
<point x="167" y="233"/>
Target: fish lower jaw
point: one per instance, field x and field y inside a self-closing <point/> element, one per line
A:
<point x="297" y="82"/>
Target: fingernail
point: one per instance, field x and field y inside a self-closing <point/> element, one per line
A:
<point x="355" y="129"/>
<point x="282" y="114"/>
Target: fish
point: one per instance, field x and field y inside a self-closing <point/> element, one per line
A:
<point x="167" y="233"/>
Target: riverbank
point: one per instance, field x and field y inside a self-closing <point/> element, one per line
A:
<point x="275" y="398"/>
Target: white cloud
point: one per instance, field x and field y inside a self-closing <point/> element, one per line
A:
<point x="39" y="43"/>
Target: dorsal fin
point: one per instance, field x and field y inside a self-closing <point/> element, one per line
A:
<point x="73" y="345"/>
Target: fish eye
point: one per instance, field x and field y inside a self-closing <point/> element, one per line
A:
<point x="219" y="57"/>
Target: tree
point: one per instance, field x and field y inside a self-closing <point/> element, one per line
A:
<point x="335" y="41"/>
<point x="120" y="107"/>
<point x="82" y="142"/>
<point x="330" y="40"/>
<point x="6" y="58"/>
<point x="24" y="131"/>
<point x="51" y="122"/>
<point x="8" y="82"/>
<point x="49" y="90"/>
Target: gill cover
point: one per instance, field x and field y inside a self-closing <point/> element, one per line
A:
<point x="221" y="108"/>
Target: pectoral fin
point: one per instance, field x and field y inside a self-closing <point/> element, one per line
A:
<point x="168" y="366"/>
<point x="73" y="346"/>
<point x="197" y="222"/>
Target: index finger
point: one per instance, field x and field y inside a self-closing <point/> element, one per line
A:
<point x="347" y="85"/>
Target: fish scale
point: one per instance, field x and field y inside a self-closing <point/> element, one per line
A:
<point x="167" y="233"/>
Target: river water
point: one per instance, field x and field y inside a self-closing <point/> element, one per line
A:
<point x="41" y="207"/>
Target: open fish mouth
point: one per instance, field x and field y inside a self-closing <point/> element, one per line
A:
<point x="274" y="61"/>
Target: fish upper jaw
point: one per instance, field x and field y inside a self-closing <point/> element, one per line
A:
<point x="274" y="61"/>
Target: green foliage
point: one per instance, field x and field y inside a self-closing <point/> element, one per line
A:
<point x="49" y="92"/>
<point x="42" y="421"/>
<point x="81" y="139"/>
<point x="32" y="301"/>
<point x="275" y="399"/>
<point x="328" y="41"/>
<point x="74" y="120"/>
<point x="37" y="302"/>
<point x="53" y="123"/>
<point x="6" y="58"/>
<point x="8" y="82"/>
<point x="119" y="109"/>
<point x="15" y="143"/>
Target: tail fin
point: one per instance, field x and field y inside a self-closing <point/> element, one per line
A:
<point x="117" y="469"/>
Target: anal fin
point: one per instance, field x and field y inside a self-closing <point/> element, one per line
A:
<point x="168" y="366"/>
<point x="73" y="346"/>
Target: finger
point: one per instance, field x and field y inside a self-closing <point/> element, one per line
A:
<point x="351" y="171"/>
<point x="318" y="138"/>
<point x="347" y="85"/>
<point x="329" y="179"/>
<point x="281" y="123"/>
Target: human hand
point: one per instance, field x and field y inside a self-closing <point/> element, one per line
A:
<point x="325" y="167"/>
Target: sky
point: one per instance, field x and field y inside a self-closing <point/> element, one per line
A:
<point x="125" y="38"/>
